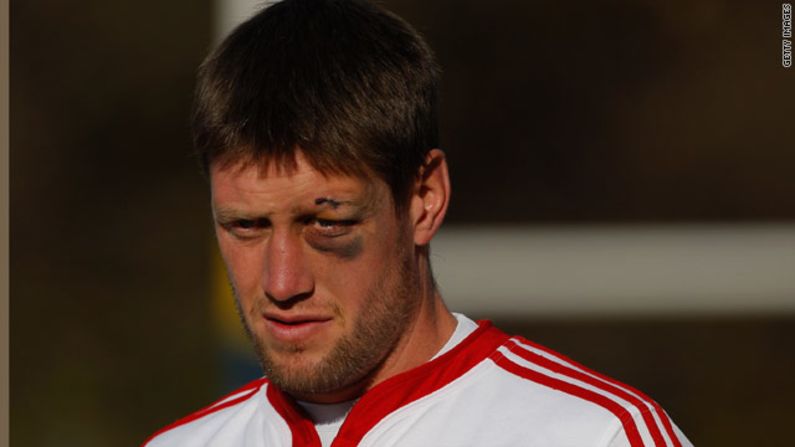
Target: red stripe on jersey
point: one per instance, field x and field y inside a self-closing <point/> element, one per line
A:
<point x="627" y="422"/>
<point x="301" y="427"/>
<point x="648" y="418"/>
<point x="251" y="387"/>
<point x="666" y="421"/>
<point x="406" y="387"/>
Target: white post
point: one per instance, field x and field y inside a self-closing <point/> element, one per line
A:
<point x="230" y="13"/>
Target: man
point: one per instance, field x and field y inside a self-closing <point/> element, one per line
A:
<point x="316" y="122"/>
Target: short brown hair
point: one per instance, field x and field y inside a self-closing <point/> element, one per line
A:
<point x="353" y="86"/>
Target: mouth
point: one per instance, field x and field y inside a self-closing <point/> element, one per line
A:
<point x="294" y="328"/>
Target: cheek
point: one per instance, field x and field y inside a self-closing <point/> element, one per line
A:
<point x="354" y="269"/>
<point x="243" y="267"/>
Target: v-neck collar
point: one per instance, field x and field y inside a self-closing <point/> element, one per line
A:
<point x="393" y="393"/>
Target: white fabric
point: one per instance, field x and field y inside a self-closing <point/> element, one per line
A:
<point x="464" y="326"/>
<point x="328" y="418"/>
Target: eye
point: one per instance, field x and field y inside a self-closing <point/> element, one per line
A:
<point x="326" y="223"/>
<point x="244" y="224"/>
<point x="246" y="228"/>
<point x="331" y="227"/>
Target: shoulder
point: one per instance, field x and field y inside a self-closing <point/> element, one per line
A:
<point x="493" y="389"/>
<point x="581" y="397"/>
<point x="194" y="423"/>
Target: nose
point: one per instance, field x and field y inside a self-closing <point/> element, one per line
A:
<point x="287" y="276"/>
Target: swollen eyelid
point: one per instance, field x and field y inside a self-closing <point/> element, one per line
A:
<point x="332" y="226"/>
<point x="336" y="222"/>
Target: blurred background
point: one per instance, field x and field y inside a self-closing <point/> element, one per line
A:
<point x="623" y="193"/>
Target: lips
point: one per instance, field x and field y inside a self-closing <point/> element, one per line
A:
<point x="294" y="328"/>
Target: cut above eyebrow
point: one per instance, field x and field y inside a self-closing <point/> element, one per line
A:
<point x="223" y="214"/>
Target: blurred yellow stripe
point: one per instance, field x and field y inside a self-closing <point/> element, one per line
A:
<point x="225" y="315"/>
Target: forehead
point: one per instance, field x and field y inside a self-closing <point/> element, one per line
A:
<point x="277" y="186"/>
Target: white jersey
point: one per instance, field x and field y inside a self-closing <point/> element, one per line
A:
<point x="489" y="390"/>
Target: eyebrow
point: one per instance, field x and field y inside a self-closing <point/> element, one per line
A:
<point x="228" y="215"/>
<point x="231" y="214"/>
<point x="333" y="203"/>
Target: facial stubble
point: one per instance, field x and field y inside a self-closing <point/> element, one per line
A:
<point x="383" y="319"/>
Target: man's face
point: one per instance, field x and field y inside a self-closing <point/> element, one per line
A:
<point x="322" y="268"/>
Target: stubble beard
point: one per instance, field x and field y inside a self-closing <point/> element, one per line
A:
<point x="357" y="355"/>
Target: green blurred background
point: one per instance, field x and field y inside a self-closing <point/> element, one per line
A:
<point x="576" y="114"/>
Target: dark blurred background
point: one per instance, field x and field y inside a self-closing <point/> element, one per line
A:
<point x="554" y="113"/>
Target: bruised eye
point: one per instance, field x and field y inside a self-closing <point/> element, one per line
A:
<point x="332" y="228"/>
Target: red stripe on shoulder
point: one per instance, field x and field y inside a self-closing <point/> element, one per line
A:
<point x="244" y="392"/>
<point x="626" y="420"/>
<point x="666" y="421"/>
<point x="567" y="371"/>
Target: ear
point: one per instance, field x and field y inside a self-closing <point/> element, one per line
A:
<point x="430" y="197"/>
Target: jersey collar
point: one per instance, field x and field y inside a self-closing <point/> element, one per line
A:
<point x="393" y="393"/>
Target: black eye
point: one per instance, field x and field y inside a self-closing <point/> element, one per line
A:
<point x="331" y="227"/>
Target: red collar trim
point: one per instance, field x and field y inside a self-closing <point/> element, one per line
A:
<point x="393" y="393"/>
<point x="301" y="427"/>
<point x="404" y="388"/>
